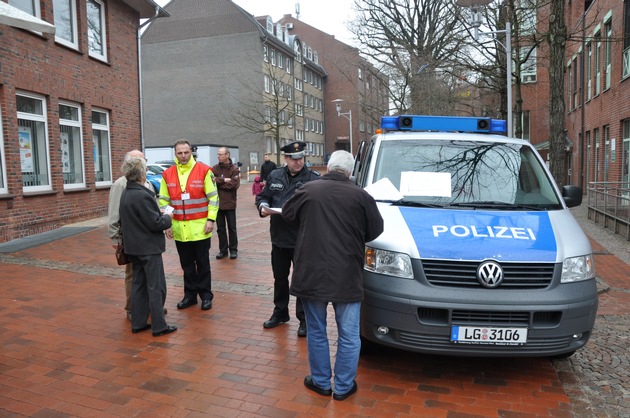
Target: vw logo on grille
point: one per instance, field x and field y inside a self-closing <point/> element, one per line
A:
<point x="490" y="274"/>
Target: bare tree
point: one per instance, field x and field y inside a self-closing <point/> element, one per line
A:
<point x="416" y="44"/>
<point x="268" y="106"/>
<point x="556" y="39"/>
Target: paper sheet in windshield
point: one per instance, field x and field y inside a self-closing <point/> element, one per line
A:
<point x="384" y="190"/>
<point x="414" y="183"/>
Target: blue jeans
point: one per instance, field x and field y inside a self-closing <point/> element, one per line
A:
<point x="348" y="344"/>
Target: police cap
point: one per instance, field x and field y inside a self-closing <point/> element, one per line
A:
<point x="295" y="150"/>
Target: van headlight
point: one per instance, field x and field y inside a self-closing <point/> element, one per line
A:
<point x="388" y="262"/>
<point x="576" y="269"/>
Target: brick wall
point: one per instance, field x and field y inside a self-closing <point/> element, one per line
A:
<point x="33" y="63"/>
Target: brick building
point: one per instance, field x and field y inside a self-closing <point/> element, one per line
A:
<point x="351" y="78"/>
<point x="69" y="110"/>
<point x="598" y="90"/>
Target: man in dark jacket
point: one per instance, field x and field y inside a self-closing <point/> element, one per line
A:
<point x="335" y="219"/>
<point x="280" y="186"/>
<point x="266" y="168"/>
<point x="228" y="178"/>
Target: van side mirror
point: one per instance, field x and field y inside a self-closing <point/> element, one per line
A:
<point x="572" y="195"/>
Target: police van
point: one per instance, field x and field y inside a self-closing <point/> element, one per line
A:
<point x="480" y="255"/>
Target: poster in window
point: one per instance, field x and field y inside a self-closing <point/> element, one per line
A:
<point x="65" y="152"/>
<point x="26" y="149"/>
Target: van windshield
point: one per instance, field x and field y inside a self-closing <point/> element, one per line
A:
<point x="466" y="173"/>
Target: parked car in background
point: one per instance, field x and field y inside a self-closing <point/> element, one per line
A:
<point x="155" y="179"/>
<point x="156" y="168"/>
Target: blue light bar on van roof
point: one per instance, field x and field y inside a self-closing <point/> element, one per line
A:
<point x="443" y="123"/>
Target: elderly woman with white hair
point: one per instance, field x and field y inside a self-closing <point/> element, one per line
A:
<point x="143" y="226"/>
<point x="336" y="218"/>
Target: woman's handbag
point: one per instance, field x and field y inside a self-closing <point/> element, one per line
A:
<point x="121" y="257"/>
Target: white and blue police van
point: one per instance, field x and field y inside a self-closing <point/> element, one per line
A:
<point x="480" y="255"/>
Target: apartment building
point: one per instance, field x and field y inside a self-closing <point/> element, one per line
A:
<point x="362" y="89"/>
<point x="598" y="90"/>
<point x="218" y="76"/>
<point x="69" y="108"/>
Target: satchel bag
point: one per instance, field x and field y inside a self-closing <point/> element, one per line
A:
<point x="121" y="257"/>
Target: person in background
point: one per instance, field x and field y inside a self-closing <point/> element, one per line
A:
<point x="334" y="218"/>
<point x="279" y="187"/>
<point x="228" y="179"/>
<point x="113" y="224"/>
<point x="143" y="228"/>
<point x="266" y="168"/>
<point x="257" y="186"/>
<point x="189" y="187"/>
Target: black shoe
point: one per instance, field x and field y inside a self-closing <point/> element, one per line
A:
<point x="302" y="329"/>
<point x="233" y="254"/>
<point x="308" y="382"/>
<point x="137" y="330"/>
<point x="274" y="321"/>
<point x="186" y="302"/>
<point x="206" y="304"/>
<point x="341" y="397"/>
<point x="221" y="255"/>
<point x="167" y="330"/>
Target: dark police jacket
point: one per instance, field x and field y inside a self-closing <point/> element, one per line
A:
<point x="279" y="187"/>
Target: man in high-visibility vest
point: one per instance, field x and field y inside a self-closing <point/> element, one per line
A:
<point x="189" y="188"/>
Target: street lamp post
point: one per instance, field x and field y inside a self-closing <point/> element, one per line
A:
<point x="474" y="6"/>
<point x="347" y="115"/>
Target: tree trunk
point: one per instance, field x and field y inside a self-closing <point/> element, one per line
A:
<point x="557" y="42"/>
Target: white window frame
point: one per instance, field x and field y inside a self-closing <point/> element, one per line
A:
<point x="607" y="53"/>
<point x="589" y="70"/>
<point x="37" y="12"/>
<point x="598" y="61"/>
<point x="103" y="22"/>
<point x="73" y="124"/>
<point x="33" y="117"/>
<point x="3" y="164"/>
<point x="267" y="83"/>
<point x="106" y="128"/>
<point x="74" y="41"/>
<point x="529" y="67"/>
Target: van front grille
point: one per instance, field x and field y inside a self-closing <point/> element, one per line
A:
<point x="464" y="274"/>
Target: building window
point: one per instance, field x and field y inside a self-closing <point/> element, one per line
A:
<point x="66" y="22"/>
<point x="598" y="62"/>
<point x="97" y="39"/>
<point x="33" y="142"/>
<point x="527" y="17"/>
<point x="525" y="125"/>
<point x="267" y="82"/>
<point x="102" y="155"/>
<point x="625" y="156"/>
<point x="3" y="163"/>
<point x="289" y="93"/>
<point x="265" y="53"/>
<point x="576" y="98"/>
<point x="607" y="53"/>
<point x="280" y="60"/>
<point x="273" y="57"/>
<point x="71" y="145"/>
<point x="528" y="68"/>
<point x="588" y="64"/>
<point x="289" y="65"/>
<point x="596" y="158"/>
<point x="29" y="6"/>
<point x="626" y="40"/>
<point x="360" y="72"/>
<point x="606" y="130"/>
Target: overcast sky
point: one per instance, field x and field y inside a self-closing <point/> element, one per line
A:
<point x="326" y="15"/>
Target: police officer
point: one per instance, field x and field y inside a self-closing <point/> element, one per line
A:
<point x="280" y="186"/>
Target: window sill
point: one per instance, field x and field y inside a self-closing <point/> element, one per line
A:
<point x="80" y="189"/>
<point x="7" y="196"/>
<point x="42" y="193"/>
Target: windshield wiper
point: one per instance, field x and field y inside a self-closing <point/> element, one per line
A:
<point x="495" y="205"/>
<point x="404" y="202"/>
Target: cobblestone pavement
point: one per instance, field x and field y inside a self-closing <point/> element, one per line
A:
<point x="597" y="378"/>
